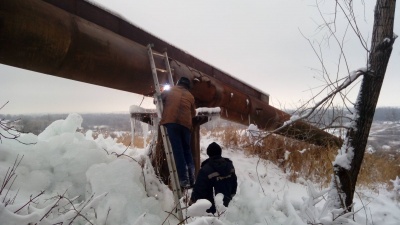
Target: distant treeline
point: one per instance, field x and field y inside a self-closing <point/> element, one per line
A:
<point x="342" y="116"/>
<point x="387" y="114"/>
<point x="121" y="122"/>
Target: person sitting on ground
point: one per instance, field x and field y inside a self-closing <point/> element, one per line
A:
<point x="217" y="174"/>
<point x="179" y="109"/>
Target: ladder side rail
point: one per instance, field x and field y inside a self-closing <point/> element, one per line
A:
<point x="172" y="170"/>
<point x="171" y="161"/>
<point x="159" y="104"/>
<point x="153" y="70"/>
<point x="157" y="95"/>
<point x="170" y="79"/>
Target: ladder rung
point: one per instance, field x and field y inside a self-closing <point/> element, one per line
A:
<point x="161" y="70"/>
<point x="158" y="54"/>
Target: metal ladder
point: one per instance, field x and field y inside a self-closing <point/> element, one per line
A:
<point x="176" y="188"/>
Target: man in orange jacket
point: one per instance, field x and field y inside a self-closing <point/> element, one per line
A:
<point x="179" y="109"/>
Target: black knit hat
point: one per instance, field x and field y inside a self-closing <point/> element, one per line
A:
<point x="184" y="81"/>
<point x="214" y="150"/>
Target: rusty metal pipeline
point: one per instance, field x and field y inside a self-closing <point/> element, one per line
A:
<point x="39" y="36"/>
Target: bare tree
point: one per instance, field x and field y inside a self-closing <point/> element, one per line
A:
<point x="350" y="156"/>
<point x="357" y="135"/>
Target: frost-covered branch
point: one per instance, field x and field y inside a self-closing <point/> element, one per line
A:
<point x="294" y="118"/>
<point x="4" y="105"/>
<point x="31" y="200"/>
<point x="123" y="154"/>
<point x="8" y="131"/>
<point x="10" y="175"/>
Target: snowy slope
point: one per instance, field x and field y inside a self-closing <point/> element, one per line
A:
<point x="84" y="182"/>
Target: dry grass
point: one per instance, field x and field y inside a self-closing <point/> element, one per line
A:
<point x="126" y="139"/>
<point x="300" y="159"/>
<point x="379" y="169"/>
<point x="297" y="159"/>
<point x="138" y="140"/>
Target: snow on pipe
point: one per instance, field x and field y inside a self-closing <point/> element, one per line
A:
<point x="41" y="37"/>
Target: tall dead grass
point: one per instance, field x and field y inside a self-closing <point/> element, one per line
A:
<point x="378" y="169"/>
<point x="138" y="141"/>
<point x="300" y="159"/>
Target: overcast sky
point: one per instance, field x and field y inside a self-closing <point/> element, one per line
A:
<point x="258" y="42"/>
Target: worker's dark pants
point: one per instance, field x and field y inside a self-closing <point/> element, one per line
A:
<point x="179" y="137"/>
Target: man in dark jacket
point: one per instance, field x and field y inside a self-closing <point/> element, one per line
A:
<point x="216" y="173"/>
<point x="179" y="109"/>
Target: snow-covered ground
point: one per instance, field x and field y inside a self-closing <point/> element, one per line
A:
<point x="385" y="136"/>
<point x="84" y="182"/>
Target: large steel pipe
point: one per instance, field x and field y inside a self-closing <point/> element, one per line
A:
<point x="246" y="109"/>
<point x="37" y="36"/>
<point x="41" y="37"/>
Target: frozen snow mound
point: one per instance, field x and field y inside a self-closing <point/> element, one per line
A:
<point x="69" y="125"/>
